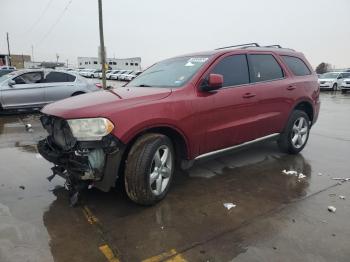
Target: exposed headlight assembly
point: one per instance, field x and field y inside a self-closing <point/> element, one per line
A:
<point x="90" y="129"/>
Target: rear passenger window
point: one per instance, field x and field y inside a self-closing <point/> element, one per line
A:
<point x="234" y="70"/>
<point x="264" y="68"/>
<point x="54" y="77"/>
<point x="296" y="65"/>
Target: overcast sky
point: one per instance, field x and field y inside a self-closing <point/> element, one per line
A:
<point x="157" y="29"/>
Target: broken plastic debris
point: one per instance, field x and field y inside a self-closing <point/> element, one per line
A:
<point x="229" y="205"/>
<point x="301" y="176"/>
<point x="22" y="187"/>
<point x="331" y="209"/>
<point x="290" y="172"/>
<point x="342" y="197"/>
<point x="342" y="179"/>
<point x="320" y="174"/>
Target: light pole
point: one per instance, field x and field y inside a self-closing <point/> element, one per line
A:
<point x="102" y="44"/>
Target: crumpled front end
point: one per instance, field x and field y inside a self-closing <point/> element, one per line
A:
<point x="81" y="163"/>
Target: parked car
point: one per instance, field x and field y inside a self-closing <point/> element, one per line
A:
<point x="177" y="111"/>
<point x="96" y="73"/>
<point x="108" y="75"/>
<point x="331" y="80"/>
<point x="131" y="76"/>
<point x="35" y="88"/>
<point x="6" y="71"/>
<point x="123" y="76"/>
<point x="100" y="74"/>
<point x="116" y="76"/>
<point x="87" y="72"/>
<point x="345" y="85"/>
<point x="7" y="68"/>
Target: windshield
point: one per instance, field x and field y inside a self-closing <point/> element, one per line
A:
<point x="174" y="72"/>
<point x="329" y="75"/>
<point x="7" y="76"/>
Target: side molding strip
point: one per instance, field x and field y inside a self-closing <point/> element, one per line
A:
<point x="237" y="146"/>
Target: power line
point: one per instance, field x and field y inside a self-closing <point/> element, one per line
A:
<point x="40" y="17"/>
<point x="55" y="23"/>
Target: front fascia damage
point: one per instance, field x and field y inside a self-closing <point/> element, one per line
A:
<point x="81" y="163"/>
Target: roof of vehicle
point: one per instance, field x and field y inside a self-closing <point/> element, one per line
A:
<point x="251" y="47"/>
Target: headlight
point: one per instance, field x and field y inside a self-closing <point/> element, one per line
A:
<point x="89" y="129"/>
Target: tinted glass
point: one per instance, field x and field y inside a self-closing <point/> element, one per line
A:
<point x="54" y="77"/>
<point x="29" y="78"/>
<point x="234" y="70"/>
<point x="264" y="68"/>
<point x="296" y="65"/>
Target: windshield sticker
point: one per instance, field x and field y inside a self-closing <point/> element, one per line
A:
<point x="197" y="59"/>
<point x="189" y="64"/>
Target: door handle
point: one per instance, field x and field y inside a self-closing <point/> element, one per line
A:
<point x="291" y="87"/>
<point x="248" y="95"/>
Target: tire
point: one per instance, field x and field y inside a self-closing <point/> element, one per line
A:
<point x="143" y="165"/>
<point x="295" y="130"/>
<point x="334" y="88"/>
<point x="343" y="91"/>
<point x="92" y="76"/>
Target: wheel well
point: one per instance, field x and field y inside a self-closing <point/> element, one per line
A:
<point x="307" y="108"/>
<point x="176" y="138"/>
<point x="78" y="93"/>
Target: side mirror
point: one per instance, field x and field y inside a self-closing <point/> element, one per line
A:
<point x="214" y="82"/>
<point x="11" y="83"/>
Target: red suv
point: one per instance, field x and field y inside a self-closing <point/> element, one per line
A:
<point x="178" y="110"/>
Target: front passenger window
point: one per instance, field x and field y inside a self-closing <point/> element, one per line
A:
<point x="234" y="70"/>
<point x="29" y="78"/>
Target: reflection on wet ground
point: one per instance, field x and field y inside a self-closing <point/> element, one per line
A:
<point x="277" y="217"/>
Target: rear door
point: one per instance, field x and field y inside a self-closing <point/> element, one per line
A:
<point x="59" y="85"/>
<point x="274" y="90"/>
<point x="229" y="114"/>
<point x="27" y="91"/>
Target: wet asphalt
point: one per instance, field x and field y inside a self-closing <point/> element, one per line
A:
<point x="277" y="217"/>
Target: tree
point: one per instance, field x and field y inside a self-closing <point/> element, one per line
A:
<point x="323" y="68"/>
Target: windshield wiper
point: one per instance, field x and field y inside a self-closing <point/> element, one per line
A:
<point x="143" y="85"/>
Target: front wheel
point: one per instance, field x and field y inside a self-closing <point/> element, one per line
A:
<point x="149" y="169"/>
<point x="295" y="136"/>
<point x="343" y="91"/>
<point x="334" y="88"/>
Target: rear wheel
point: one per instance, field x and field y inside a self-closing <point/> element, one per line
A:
<point x="149" y="169"/>
<point x="295" y="136"/>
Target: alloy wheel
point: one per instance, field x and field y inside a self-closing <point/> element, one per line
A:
<point x="161" y="170"/>
<point x="300" y="132"/>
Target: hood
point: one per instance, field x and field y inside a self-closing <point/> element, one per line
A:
<point x="102" y="103"/>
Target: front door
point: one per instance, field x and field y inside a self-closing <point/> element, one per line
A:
<point x="27" y="91"/>
<point x="228" y="114"/>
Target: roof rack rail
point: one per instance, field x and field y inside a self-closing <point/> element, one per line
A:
<point x="277" y="46"/>
<point x="242" y="45"/>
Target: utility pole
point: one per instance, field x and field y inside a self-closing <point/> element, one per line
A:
<point x="102" y="45"/>
<point x="8" y="48"/>
<point x="32" y="53"/>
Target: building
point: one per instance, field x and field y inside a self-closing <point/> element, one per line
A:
<point x="133" y="63"/>
<point x="16" y="60"/>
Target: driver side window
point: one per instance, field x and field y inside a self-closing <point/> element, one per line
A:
<point x="29" y="78"/>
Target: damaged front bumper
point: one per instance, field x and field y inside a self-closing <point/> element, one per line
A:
<point x="80" y="162"/>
